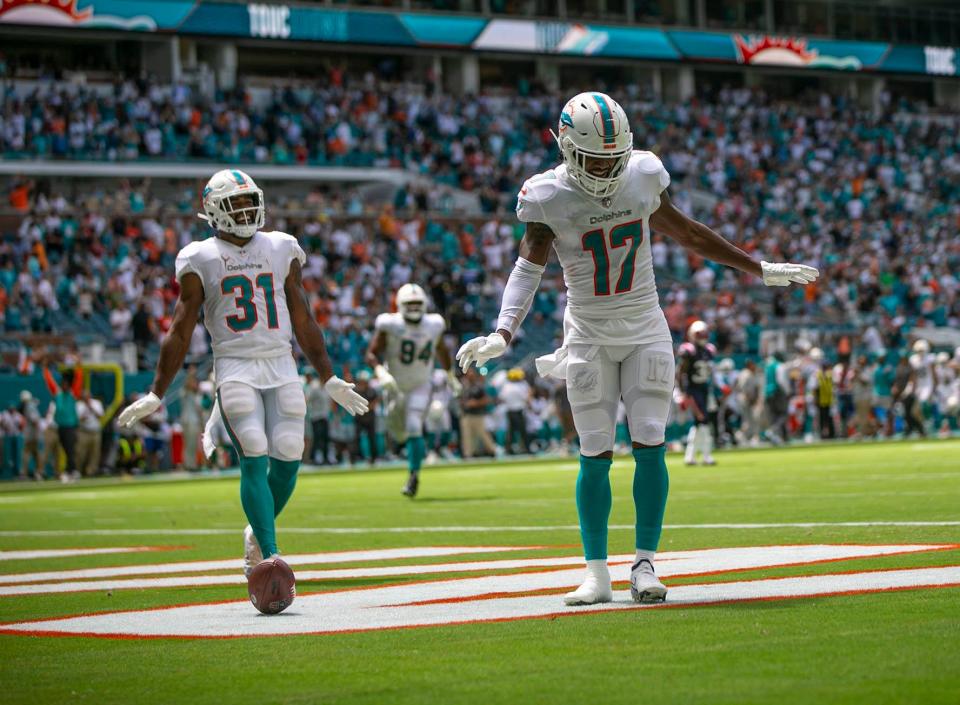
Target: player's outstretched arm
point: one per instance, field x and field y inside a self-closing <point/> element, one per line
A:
<point x="173" y="349"/>
<point x="517" y="297"/>
<point x="310" y="338"/>
<point x="697" y="237"/>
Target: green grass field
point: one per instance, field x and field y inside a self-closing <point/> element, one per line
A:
<point x="867" y="646"/>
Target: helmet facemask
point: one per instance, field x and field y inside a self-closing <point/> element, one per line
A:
<point x="241" y="214"/>
<point x="576" y="158"/>
<point x="412" y="311"/>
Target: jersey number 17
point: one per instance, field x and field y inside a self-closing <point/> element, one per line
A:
<point x="595" y="242"/>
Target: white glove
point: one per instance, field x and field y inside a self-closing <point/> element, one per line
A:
<point x="481" y="349"/>
<point x="141" y="408"/>
<point x="342" y="393"/>
<point x="388" y="382"/>
<point x="783" y="273"/>
<point x="453" y="383"/>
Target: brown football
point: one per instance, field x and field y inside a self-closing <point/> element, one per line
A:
<point x="272" y="586"/>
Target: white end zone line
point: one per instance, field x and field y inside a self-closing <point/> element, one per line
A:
<point x="236" y="563"/>
<point x="669" y="564"/>
<point x="70" y="552"/>
<point x="443" y="603"/>
<point x="464" y="529"/>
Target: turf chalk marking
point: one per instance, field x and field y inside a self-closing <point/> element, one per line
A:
<point x="466" y="529"/>
<point x="236" y="563"/>
<point x="70" y="552"/>
<point x="494" y="598"/>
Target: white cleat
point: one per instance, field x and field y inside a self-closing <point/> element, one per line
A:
<point x="645" y="586"/>
<point x="596" y="589"/>
<point x="252" y="555"/>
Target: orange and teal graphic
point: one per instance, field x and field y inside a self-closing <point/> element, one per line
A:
<point x="606" y="122"/>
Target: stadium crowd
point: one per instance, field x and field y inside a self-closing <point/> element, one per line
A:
<point x="871" y="198"/>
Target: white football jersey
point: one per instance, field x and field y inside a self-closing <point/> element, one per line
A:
<point x="604" y="248"/>
<point x="244" y="305"/>
<point x="411" y="347"/>
<point x="923" y="366"/>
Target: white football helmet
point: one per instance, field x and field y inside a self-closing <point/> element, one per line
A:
<point x="816" y="355"/>
<point x="225" y="207"/>
<point x="698" y="333"/>
<point x="921" y="346"/>
<point x="593" y="125"/>
<point x="411" y="302"/>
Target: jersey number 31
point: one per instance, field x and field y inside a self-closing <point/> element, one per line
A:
<point x="246" y="306"/>
<point x="595" y="243"/>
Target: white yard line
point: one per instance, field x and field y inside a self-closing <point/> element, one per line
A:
<point x="236" y="563"/>
<point x="463" y="529"/>
<point x="670" y="563"/>
<point x="69" y="552"/>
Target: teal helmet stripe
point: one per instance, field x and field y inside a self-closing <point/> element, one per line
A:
<point x="239" y="177"/>
<point x="606" y="118"/>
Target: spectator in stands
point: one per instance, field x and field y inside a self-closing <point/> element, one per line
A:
<point x="515" y="397"/>
<point x="65" y="396"/>
<point x="863" y="420"/>
<point x="366" y="425"/>
<point x="51" y="444"/>
<point x="475" y="401"/>
<point x="89" y="415"/>
<point x="144" y="331"/>
<point x="776" y="394"/>
<point x="318" y="412"/>
<point x="824" y="395"/>
<point x="120" y="321"/>
<point x="32" y="436"/>
<point x="11" y="440"/>
<point x="747" y="389"/>
<point x="192" y="418"/>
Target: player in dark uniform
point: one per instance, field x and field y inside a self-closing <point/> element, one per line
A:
<point x="695" y="381"/>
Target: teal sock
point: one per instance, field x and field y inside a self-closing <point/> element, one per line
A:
<point x="594" y="501"/>
<point x="257" y="501"/>
<point x="431" y="440"/>
<point x="650" y="485"/>
<point x="282" y="479"/>
<point x="415" y="453"/>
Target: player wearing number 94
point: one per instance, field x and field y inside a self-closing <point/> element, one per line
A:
<point x="596" y="210"/>
<point x="248" y="283"/>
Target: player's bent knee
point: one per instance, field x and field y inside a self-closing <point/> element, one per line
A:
<point x="648" y="432"/>
<point x="289" y="446"/>
<point x="253" y="442"/>
<point x="592" y="444"/>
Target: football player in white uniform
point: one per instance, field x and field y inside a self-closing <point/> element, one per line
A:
<point x="596" y="210"/>
<point x="402" y="354"/>
<point x="248" y="283"/>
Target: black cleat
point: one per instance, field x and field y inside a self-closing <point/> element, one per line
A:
<point x="410" y="490"/>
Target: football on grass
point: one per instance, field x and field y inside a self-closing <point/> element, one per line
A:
<point x="272" y="586"/>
